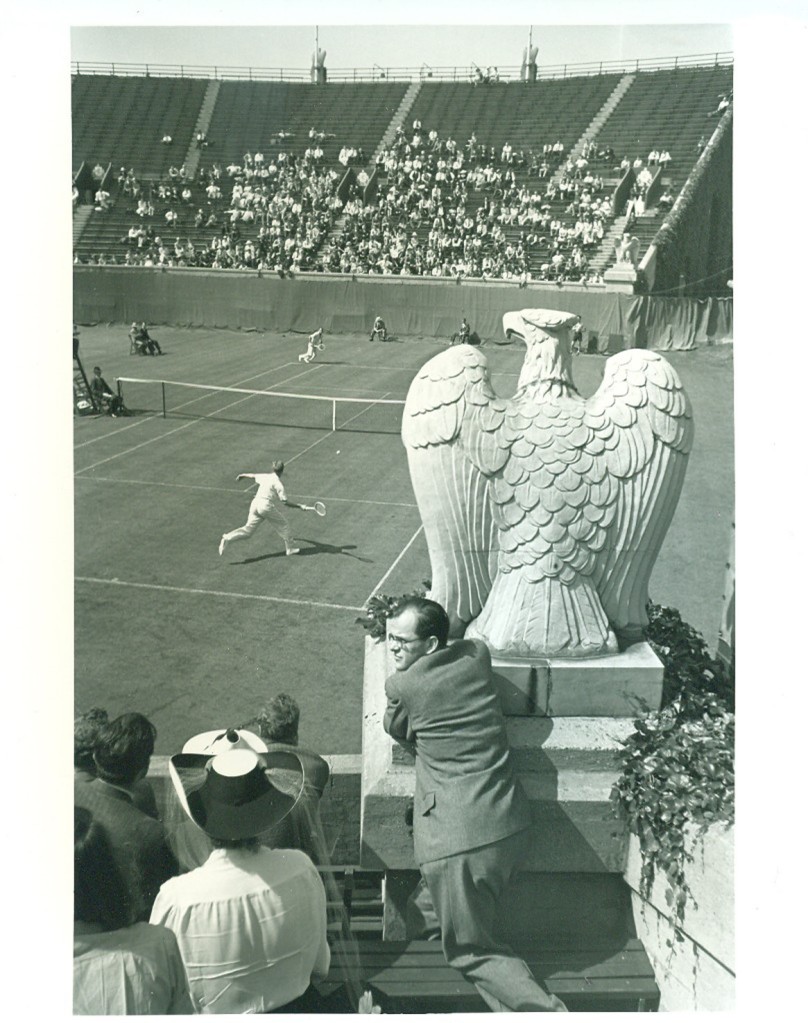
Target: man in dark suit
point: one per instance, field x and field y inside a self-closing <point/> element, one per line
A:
<point x="278" y="725"/>
<point x="471" y="818"/>
<point x="139" y="844"/>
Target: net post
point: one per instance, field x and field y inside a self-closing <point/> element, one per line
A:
<point x="334" y="416"/>
<point x="120" y="389"/>
<point x="163" y="389"/>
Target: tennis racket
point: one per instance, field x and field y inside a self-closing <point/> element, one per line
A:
<point x="318" y="507"/>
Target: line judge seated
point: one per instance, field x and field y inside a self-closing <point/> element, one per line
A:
<point x="471" y="821"/>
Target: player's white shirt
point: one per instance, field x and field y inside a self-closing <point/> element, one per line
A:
<point x="270" y="487"/>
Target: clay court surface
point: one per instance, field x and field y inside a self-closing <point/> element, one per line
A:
<point x="165" y="626"/>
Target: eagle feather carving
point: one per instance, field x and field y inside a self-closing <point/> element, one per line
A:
<point x="544" y="513"/>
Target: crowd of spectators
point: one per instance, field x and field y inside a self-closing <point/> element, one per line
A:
<point x="157" y="931"/>
<point x="437" y="208"/>
<point x="450" y="210"/>
<point x="268" y="214"/>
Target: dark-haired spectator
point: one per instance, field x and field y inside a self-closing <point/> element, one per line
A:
<point x="86" y="728"/>
<point x="122" y="753"/>
<point x="278" y="724"/>
<point x="120" y="968"/>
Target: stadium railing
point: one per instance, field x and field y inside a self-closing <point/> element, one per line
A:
<point x="459" y="73"/>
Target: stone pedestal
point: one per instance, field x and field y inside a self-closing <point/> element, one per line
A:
<point x="625" y="684"/>
<point x="621" y="277"/>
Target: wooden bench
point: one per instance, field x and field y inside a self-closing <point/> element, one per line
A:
<point x="413" y="977"/>
<point x="354" y="901"/>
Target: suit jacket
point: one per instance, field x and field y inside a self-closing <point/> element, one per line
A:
<point x="316" y="768"/>
<point x="302" y="829"/>
<point x="139" y="843"/>
<point x="466" y="794"/>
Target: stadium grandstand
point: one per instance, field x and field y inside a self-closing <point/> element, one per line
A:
<point x="595" y="181"/>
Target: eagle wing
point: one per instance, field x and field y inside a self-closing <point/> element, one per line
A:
<point x="641" y="427"/>
<point x="450" y="430"/>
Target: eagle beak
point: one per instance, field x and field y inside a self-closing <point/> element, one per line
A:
<point x="512" y="325"/>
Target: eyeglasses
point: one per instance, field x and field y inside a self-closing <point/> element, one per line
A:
<point x="402" y="641"/>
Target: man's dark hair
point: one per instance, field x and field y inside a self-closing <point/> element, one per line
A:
<point x="277" y="467"/>
<point x="124" y="748"/>
<point x="279" y="719"/>
<point x="99" y="892"/>
<point x="85" y="737"/>
<point x="431" y="619"/>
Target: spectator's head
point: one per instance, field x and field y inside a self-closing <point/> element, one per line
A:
<point x="279" y="720"/>
<point x="97" y="370"/>
<point x="417" y="628"/>
<point x="85" y="737"/>
<point x="124" y="749"/>
<point x="99" y="893"/>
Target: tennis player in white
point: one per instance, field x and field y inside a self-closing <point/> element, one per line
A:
<point x="315" y="345"/>
<point x="265" y="507"/>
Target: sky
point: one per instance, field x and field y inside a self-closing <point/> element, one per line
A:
<point x="390" y="45"/>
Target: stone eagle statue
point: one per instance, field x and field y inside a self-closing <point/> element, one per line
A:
<point x="544" y="512"/>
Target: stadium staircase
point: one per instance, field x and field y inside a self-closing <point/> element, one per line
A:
<point x="667" y="110"/>
<point x="194" y="154"/>
<point x="597" y="122"/>
<point x="81" y="215"/>
<point x="397" y="120"/>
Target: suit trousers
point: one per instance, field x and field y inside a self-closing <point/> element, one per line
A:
<point x="457" y="898"/>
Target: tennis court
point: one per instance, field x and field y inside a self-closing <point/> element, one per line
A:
<point x="165" y="626"/>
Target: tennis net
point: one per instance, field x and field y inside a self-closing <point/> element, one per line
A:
<point x="261" y="408"/>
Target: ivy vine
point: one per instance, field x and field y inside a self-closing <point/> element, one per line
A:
<point x="677" y="768"/>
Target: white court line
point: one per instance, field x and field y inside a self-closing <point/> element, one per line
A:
<point x="235" y="490"/>
<point x="147" y="419"/>
<point x="215" y="593"/>
<point x="177" y="429"/>
<point x="320" y="440"/>
<point x="389" y="571"/>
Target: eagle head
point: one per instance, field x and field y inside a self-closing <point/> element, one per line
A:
<point x="546" y="334"/>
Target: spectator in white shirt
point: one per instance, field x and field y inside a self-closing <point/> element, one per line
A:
<point x="250" y="922"/>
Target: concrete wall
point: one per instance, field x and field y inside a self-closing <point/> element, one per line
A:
<point x="699" y="972"/>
